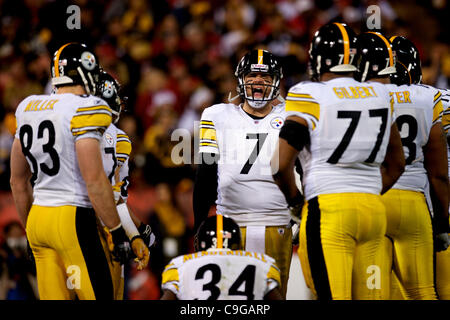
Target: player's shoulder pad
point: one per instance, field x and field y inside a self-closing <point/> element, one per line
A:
<point x="218" y="111"/>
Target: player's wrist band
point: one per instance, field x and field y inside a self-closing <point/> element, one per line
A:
<point x="127" y="222"/>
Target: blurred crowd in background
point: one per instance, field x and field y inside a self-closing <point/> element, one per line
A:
<point x="173" y="59"/>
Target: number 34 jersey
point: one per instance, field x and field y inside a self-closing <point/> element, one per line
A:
<point x="221" y="274"/>
<point x="349" y="124"/>
<point x="48" y="127"/>
<point x="246" y="189"/>
<point x="417" y="109"/>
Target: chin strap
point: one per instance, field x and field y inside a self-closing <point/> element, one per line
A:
<point x="231" y="99"/>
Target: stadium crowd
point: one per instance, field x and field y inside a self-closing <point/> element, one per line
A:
<point x="173" y="58"/>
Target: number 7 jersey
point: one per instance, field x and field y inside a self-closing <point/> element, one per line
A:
<point x="349" y="124"/>
<point x="246" y="189"/>
<point x="48" y="127"/>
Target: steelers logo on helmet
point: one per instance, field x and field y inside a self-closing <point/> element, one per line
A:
<point x="88" y="60"/>
<point x="108" y="89"/>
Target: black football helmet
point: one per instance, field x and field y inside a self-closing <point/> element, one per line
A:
<point x="108" y="88"/>
<point x="375" y="57"/>
<point x="408" y="56"/>
<point x="74" y="63"/>
<point x="259" y="61"/>
<point x="333" y="49"/>
<point x="218" y="232"/>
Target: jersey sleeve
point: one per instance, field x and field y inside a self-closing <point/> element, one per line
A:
<point x="303" y="105"/>
<point x="437" y="107"/>
<point x="445" y="100"/>
<point x="91" y="121"/>
<point x="170" y="278"/>
<point x="273" y="278"/>
<point x="123" y="147"/>
<point x="207" y="135"/>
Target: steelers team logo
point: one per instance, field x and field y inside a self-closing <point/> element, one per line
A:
<point x="88" y="60"/>
<point x="108" y="89"/>
<point x="108" y="138"/>
<point x="277" y="123"/>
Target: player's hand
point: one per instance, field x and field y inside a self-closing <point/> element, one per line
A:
<point x="141" y="252"/>
<point x="122" y="248"/>
<point x="147" y="235"/>
<point x="441" y="241"/>
<point x="295" y="206"/>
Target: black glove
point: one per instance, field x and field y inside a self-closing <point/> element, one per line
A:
<point x="295" y="206"/>
<point x="147" y="235"/>
<point x="122" y="249"/>
<point x="441" y="242"/>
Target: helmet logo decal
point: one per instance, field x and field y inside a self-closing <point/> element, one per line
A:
<point x="108" y="89"/>
<point x="88" y="60"/>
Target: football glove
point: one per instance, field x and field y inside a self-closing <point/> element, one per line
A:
<point x="122" y="249"/>
<point x="295" y="206"/>
<point x="141" y="252"/>
<point x="147" y="235"/>
<point x="441" y="242"/>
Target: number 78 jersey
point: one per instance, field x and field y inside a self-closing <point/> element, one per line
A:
<point x="221" y="274"/>
<point x="349" y="124"/>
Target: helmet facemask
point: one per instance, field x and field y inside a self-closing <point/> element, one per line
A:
<point x="260" y="93"/>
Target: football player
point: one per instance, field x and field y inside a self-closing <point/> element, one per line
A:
<point x="57" y="180"/>
<point x="350" y="150"/>
<point x="236" y="145"/>
<point x="418" y="112"/>
<point x="443" y="257"/>
<point x="219" y="269"/>
<point x="116" y="149"/>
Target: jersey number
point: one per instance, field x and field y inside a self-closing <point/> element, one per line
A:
<point x="48" y="148"/>
<point x="246" y="278"/>
<point x="348" y="135"/>
<point x="113" y="154"/>
<point x="261" y="138"/>
<point x="408" y="141"/>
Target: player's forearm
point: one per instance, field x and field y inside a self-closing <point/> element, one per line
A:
<point x="23" y="198"/>
<point x="205" y="191"/>
<point x="394" y="162"/>
<point x="102" y="199"/>
<point x="439" y="190"/>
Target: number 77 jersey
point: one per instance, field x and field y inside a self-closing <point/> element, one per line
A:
<point x="349" y="124"/>
<point x="48" y="127"/>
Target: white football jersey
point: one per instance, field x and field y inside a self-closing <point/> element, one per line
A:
<point x="349" y="124"/>
<point x="246" y="189"/>
<point x="446" y="119"/>
<point x="47" y="128"/>
<point x="116" y="149"/>
<point x="221" y="274"/>
<point x="417" y="109"/>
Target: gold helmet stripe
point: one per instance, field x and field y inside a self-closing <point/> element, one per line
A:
<point x="388" y="46"/>
<point x="346" y="40"/>
<point x="56" y="58"/>
<point x="219" y="230"/>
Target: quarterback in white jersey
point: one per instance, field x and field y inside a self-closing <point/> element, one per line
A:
<point x="243" y="138"/>
<point x="219" y="270"/>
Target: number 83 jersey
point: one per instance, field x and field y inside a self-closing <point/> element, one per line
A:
<point x="48" y="127"/>
<point x="246" y="189"/>
<point x="349" y="124"/>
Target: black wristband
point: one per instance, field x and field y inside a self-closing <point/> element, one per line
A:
<point x="296" y="134"/>
<point x="119" y="235"/>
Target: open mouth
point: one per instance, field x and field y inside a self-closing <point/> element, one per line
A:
<point x="258" y="92"/>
